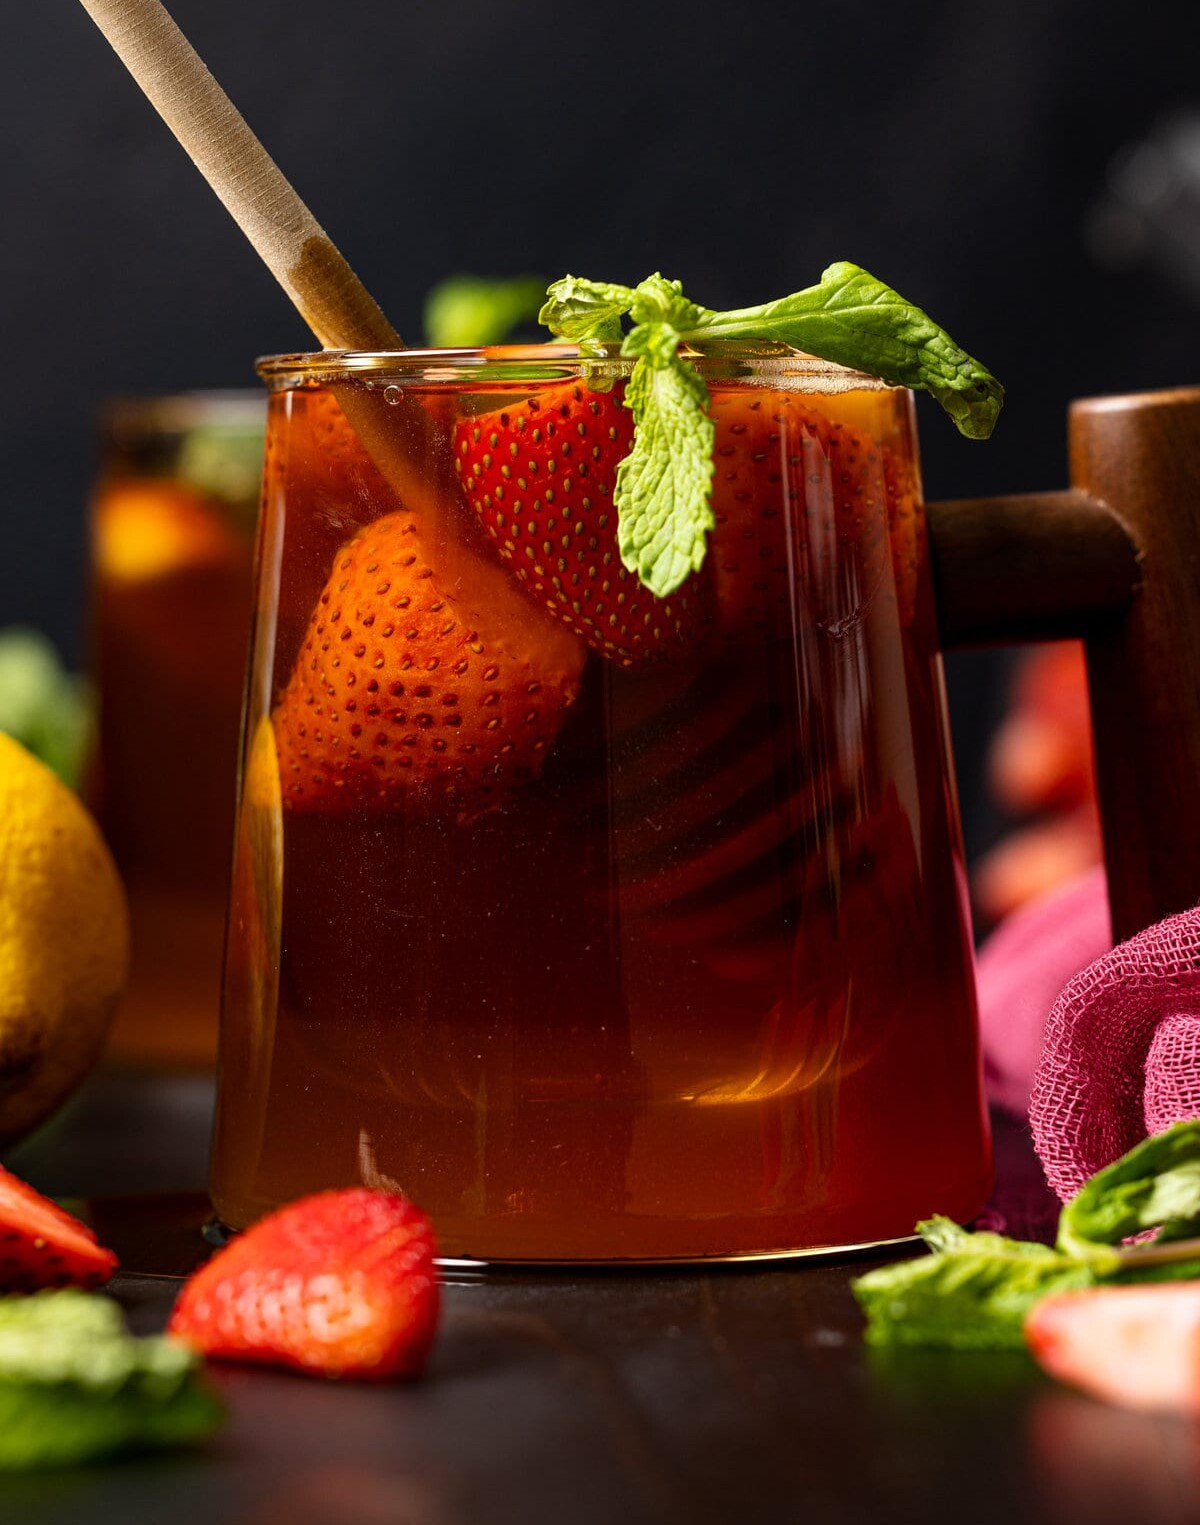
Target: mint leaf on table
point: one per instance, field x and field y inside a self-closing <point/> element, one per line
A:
<point x="849" y="317"/>
<point x="974" y="1290"/>
<point x="43" y="706"/>
<point x="75" y="1386"/>
<point x="468" y="310"/>
<point x="1155" y="1186"/>
<point x="972" y="1293"/>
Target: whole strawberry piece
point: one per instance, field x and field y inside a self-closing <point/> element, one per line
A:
<point x="1137" y="1346"/>
<point x="540" y="474"/>
<point x="423" y="674"/>
<point x="42" y="1246"/>
<point x="341" y="1284"/>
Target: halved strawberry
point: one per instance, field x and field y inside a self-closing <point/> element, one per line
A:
<point x="1137" y="1346"/>
<point x="423" y="671"/>
<point x="42" y="1246"/>
<point x="341" y="1284"/>
<point x="540" y="474"/>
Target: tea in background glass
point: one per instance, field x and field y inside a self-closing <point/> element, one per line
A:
<point x="606" y="927"/>
<point x="173" y="521"/>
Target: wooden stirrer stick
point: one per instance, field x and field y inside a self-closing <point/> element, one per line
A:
<point x="296" y="249"/>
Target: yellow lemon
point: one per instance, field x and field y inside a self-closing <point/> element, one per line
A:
<point x="64" y="941"/>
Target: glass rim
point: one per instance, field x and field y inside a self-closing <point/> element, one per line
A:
<point x="733" y="360"/>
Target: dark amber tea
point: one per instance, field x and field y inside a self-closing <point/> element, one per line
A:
<point x="605" y="926"/>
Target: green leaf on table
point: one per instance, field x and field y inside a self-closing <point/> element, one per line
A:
<point x="974" y="1290"/>
<point x="1155" y="1186"/>
<point x="469" y="310"/>
<point x="76" y="1386"/>
<point x="45" y="708"/>
<point x="971" y="1293"/>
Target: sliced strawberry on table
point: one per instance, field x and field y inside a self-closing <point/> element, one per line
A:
<point x="1137" y="1346"/>
<point x="43" y="1246"/>
<point x="540" y="473"/>
<point x="424" y="672"/>
<point x="341" y="1284"/>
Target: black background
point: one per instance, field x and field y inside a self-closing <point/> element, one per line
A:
<point x="955" y="149"/>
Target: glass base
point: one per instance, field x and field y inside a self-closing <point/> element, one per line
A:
<point x="467" y="1268"/>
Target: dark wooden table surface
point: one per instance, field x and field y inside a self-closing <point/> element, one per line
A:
<point x="742" y="1395"/>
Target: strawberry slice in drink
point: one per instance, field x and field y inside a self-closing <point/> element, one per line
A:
<point x="43" y="1246"/>
<point x="803" y="508"/>
<point x="540" y="473"/>
<point x="424" y="673"/>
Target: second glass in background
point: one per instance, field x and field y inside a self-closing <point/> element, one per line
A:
<point x="173" y="520"/>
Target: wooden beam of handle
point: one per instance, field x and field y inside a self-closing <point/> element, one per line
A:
<point x="1034" y="567"/>
<point x="293" y="245"/>
<point x="1142" y="455"/>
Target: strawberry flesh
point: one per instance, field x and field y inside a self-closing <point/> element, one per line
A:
<point x="1136" y="1346"/>
<point x="43" y="1246"/>
<point x="341" y="1284"/>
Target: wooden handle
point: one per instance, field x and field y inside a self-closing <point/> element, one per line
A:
<point x="1142" y="455"/>
<point x="1116" y="560"/>
<point x="293" y="245"/>
<point x="1036" y="567"/>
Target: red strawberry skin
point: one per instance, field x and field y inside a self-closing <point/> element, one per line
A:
<point x="803" y="506"/>
<point x="341" y="1284"/>
<point x="42" y="1246"/>
<point x="1136" y="1346"/>
<point x="540" y="473"/>
<point x="419" y="679"/>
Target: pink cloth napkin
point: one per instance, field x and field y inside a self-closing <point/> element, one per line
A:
<point x="1021" y="969"/>
<point x="1121" y="1057"/>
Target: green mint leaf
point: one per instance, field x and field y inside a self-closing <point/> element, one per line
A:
<point x="658" y="300"/>
<point x="1155" y="1185"/>
<point x="75" y="1385"/>
<point x="43" y="706"/>
<point x="971" y="1293"/>
<point x="588" y="313"/>
<point x="663" y="484"/>
<point x="468" y="310"/>
<point x="853" y="319"/>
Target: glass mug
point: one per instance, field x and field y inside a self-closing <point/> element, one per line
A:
<point x="172" y="539"/>
<point x="607" y="928"/>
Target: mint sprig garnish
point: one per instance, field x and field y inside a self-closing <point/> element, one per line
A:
<point x="975" y="1290"/>
<point x="849" y="317"/>
<point x="671" y="463"/>
<point x="75" y="1385"/>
